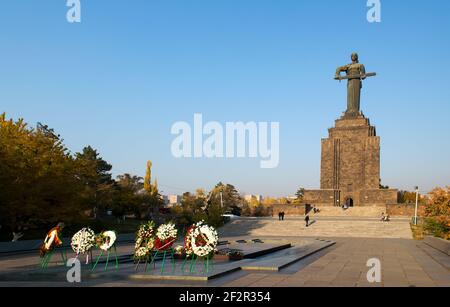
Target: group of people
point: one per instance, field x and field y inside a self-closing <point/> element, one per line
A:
<point x="385" y="217"/>
<point x="307" y="218"/>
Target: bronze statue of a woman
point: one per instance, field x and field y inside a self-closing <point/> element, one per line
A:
<point x="356" y="72"/>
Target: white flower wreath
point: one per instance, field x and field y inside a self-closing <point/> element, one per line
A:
<point x="166" y="231"/>
<point x="141" y="252"/>
<point x="209" y="235"/>
<point x="110" y="240"/>
<point x="145" y="240"/>
<point x="83" y="241"/>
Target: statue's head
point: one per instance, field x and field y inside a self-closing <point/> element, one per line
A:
<point x="354" y="57"/>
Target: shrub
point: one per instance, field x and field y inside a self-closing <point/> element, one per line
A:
<point x="438" y="226"/>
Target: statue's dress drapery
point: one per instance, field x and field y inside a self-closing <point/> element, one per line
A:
<point x="353" y="87"/>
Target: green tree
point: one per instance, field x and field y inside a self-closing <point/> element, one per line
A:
<point x="226" y="197"/>
<point x="406" y="197"/>
<point x="95" y="176"/>
<point x="128" y="198"/>
<point x="39" y="185"/>
<point x="193" y="208"/>
<point x="300" y="194"/>
<point x="214" y="214"/>
<point x="383" y="187"/>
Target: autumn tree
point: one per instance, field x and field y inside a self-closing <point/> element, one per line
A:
<point x="439" y="202"/>
<point x="152" y="196"/>
<point x="269" y="201"/>
<point x="148" y="187"/>
<point x="438" y="212"/>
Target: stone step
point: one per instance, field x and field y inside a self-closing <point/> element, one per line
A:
<point x="438" y="244"/>
<point x="322" y="227"/>
<point x="279" y="260"/>
<point x="439" y="256"/>
<point x="372" y="211"/>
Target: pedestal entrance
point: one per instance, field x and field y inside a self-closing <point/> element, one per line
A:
<point x="349" y="202"/>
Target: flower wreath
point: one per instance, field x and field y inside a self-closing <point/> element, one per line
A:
<point x="188" y="240"/>
<point x="145" y="240"/>
<point x="83" y="241"/>
<point x="106" y="239"/>
<point x="51" y="240"/>
<point x="166" y="236"/>
<point x="201" y="240"/>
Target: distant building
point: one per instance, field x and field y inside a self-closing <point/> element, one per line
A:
<point x="174" y="199"/>
<point x="250" y="197"/>
<point x="165" y="199"/>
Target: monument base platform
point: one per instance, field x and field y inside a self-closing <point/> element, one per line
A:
<point x="361" y="198"/>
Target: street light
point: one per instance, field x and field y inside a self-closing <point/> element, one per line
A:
<point x="417" y="202"/>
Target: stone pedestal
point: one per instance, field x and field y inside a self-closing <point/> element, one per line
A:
<point x="350" y="166"/>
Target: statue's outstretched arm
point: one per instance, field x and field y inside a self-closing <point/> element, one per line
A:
<point x="340" y="69"/>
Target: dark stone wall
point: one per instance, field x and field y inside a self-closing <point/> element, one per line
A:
<point x="379" y="197"/>
<point x="289" y="209"/>
<point x="320" y="197"/>
<point x="405" y="210"/>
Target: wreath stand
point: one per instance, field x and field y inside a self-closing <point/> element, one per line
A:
<point x="88" y="256"/>
<point x="165" y="253"/>
<point x="208" y="263"/>
<point x="107" y="258"/>
<point x="139" y="262"/>
<point x="48" y="256"/>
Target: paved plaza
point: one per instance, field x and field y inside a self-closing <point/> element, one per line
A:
<point x="404" y="261"/>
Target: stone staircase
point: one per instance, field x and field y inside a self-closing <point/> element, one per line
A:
<point x="373" y="211"/>
<point x="321" y="227"/>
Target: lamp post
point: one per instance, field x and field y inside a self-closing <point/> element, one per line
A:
<point x="417" y="203"/>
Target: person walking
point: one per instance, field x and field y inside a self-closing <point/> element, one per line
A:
<point x="307" y="220"/>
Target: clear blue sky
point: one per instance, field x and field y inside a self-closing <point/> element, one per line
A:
<point x="122" y="77"/>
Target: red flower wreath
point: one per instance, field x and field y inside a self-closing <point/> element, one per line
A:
<point x="163" y="245"/>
